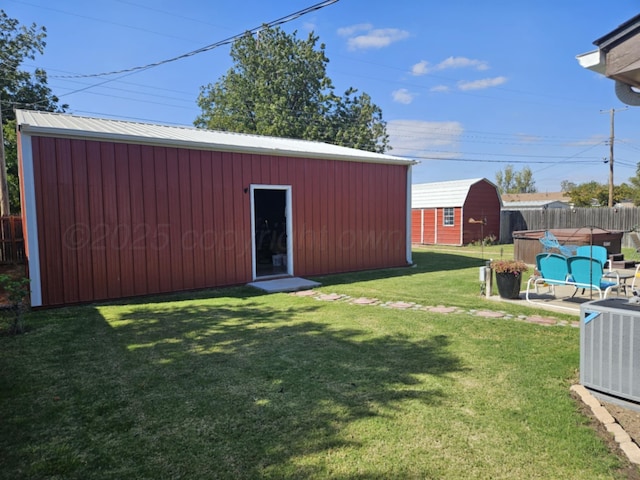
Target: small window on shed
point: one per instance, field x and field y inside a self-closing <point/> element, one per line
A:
<point x="447" y="219"/>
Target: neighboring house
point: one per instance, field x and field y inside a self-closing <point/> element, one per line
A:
<point x="456" y="212"/>
<point x="618" y="58"/>
<point x="531" y="201"/>
<point x="115" y="209"/>
<point x="625" y="204"/>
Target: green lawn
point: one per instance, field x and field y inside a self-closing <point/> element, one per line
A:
<point x="234" y="384"/>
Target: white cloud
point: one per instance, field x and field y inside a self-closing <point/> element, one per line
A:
<point x="353" y="29"/>
<point x="402" y="96"/>
<point x="421" y="138"/>
<point x="440" y="88"/>
<point x="372" y="37"/>
<point x="422" y="67"/>
<point x="462" y="62"/>
<point x="481" y="84"/>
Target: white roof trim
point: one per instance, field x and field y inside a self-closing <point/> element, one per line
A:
<point x="62" y="125"/>
<point x="593" y="60"/>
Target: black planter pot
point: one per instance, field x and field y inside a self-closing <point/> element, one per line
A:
<point x="508" y="284"/>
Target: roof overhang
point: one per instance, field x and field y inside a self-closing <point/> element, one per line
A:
<point x="593" y="61"/>
<point x="618" y="57"/>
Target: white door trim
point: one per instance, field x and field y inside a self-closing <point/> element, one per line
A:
<point x="289" y="228"/>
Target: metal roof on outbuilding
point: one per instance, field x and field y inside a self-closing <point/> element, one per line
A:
<point x="534" y="204"/>
<point x="451" y="193"/>
<point x="49" y="124"/>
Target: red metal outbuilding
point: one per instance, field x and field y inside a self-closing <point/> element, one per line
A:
<point x="115" y="209"/>
<point x="456" y="212"/>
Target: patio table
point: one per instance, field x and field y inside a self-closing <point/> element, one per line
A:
<point x="623" y="276"/>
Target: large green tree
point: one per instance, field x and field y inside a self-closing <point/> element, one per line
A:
<point x="20" y="88"/>
<point x="510" y="181"/>
<point x="278" y="86"/>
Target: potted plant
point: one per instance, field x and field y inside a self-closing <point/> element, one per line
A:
<point x="509" y="276"/>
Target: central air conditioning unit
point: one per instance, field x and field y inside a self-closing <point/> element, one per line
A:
<point x="610" y="348"/>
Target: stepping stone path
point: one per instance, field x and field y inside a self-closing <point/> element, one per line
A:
<point x="441" y="309"/>
<point x="399" y="305"/>
<point x="305" y="293"/>
<point x="489" y="314"/>
<point x="329" y="297"/>
<point x="365" y="301"/>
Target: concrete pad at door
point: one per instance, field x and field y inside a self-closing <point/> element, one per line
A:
<point x="290" y="284"/>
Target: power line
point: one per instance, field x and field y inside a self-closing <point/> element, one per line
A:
<point x="105" y="21"/>
<point x="226" y="41"/>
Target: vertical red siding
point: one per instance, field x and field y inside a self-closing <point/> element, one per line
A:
<point x="150" y="224"/>
<point x="120" y="220"/>
<point x="430" y="228"/>
<point x="208" y="223"/>
<point x="137" y="227"/>
<point x="104" y="210"/>
<point x="197" y="221"/>
<point x="163" y="227"/>
<point x="66" y="207"/>
<point x="89" y="250"/>
<point x="331" y="217"/>
<point x="184" y="203"/>
<point x="449" y="234"/>
<point x="218" y="222"/>
<point x="89" y="154"/>
<point x="175" y="228"/>
<point x="483" y="201"/>
<point x="123" y="227"/>
<point x="241" y="222"/>
<point x="229" y="235"/>
<point x="416" y="225"/>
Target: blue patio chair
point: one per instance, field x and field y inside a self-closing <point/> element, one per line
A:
<point x="550" y="242"/>
<point x="594" y="251"/>
<point x="553" y="270"/>
<point x="589" y="273"/>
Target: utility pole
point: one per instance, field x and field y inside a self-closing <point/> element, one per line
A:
<point x="612" y="113"/>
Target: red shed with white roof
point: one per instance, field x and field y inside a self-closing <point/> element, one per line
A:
<point x="456" y="212"/>
<point x="115" y="209"/>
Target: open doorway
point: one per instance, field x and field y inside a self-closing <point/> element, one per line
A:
<point x="271" y="229"/>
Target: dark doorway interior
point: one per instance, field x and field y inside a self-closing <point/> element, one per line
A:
<point x="271" y="232"/>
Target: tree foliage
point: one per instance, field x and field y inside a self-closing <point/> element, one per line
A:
<point x="567" y="185"/>
<point x="597" y="194"/>
<point x="278" y="86"/>
<point x="20" y="88"/>
<point x="635" y="186"/>
<point x="515" y="182"/>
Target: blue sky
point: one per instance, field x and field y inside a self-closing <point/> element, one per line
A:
<point x="467" y="87"/>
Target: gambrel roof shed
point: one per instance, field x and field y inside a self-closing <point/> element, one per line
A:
<point x="455" y="212"/>
<point x="115" y="209"/>
<point x="452" y="193"/>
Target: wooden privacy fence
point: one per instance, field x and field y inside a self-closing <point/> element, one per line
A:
<point x="624" y="219"/>
<point x="11" y="240"/>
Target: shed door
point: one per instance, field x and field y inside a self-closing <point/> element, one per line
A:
<point x="271" y="231"/>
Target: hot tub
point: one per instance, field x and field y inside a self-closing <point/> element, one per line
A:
<point x="526" y="243"/>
